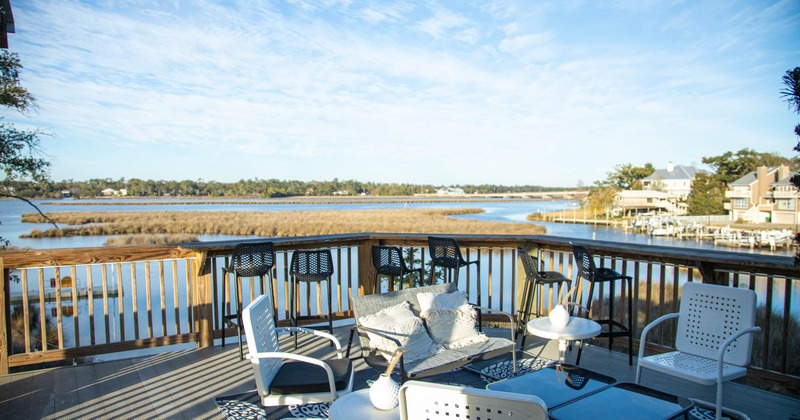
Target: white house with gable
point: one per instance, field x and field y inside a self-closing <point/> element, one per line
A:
<point x="675" y="180"/>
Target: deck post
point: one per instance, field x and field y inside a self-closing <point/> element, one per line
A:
<point x="204" y="299"/>
<point x="366" y="272"/>
<point x="5" y="320"/>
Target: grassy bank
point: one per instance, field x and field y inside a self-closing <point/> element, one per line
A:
<point x="292" y="223"/>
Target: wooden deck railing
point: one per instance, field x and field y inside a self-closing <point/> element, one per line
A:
<point x="100" y="300"/>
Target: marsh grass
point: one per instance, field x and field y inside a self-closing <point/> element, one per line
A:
<point x="150" y="239"/>
<point x="269" y="224"/>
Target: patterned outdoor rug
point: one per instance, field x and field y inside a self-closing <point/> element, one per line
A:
<point x="505" y="369"/>
<point x="248" y="406"/>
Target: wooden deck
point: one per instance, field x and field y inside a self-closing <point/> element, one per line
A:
<point x="181" y="384"/>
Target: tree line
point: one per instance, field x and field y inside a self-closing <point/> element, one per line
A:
<point x="257" y="188"/>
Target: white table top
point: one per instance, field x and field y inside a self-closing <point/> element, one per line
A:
<point x="356" y="405"/>
<point x="576" y="329"/>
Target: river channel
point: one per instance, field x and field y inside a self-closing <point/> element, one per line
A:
<point x="494" y="210"/>
<point x="503" y="211"/>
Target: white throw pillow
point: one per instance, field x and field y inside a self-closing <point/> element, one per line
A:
<point x="450" y="319"/>
<point x="400" y="322"/>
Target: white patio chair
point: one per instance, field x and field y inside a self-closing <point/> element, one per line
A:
<point x="711" y="344"/>
<point x="426" y="400"/>
<point x="286" y="378"/>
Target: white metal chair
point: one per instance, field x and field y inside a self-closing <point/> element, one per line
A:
<point x="286" y="378"/>
<point x="711" y="344"/>
<point x="426" y="400"/>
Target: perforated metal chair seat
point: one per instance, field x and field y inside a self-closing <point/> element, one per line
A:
<point x="304" y="378"/>
<point x="606" y="274"/>
<point x="690" y="367"/>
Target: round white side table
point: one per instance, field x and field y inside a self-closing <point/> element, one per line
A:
<point x="576" y="329"/>
<point x="356" y="405"/>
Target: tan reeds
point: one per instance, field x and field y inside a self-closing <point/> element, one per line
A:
<point x="292" y="223"/>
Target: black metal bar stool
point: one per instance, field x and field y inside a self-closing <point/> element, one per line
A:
<point x="388" y="261"/>
<point x="248" y="260"/>
<point x="313" y="266"/>
<point x="534" y="278"/>
<point x="589" y="271"/>
<point x="446" y="253"/>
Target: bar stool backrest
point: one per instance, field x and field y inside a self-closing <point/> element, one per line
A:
<point x="585" y="262"/>
<point x="445" y="252"/>
<point x="388" y="260"/>
<point x="252" y="260"/>
<point x="313" y="265"/>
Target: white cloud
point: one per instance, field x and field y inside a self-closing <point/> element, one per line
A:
<point x="505" y="93"/>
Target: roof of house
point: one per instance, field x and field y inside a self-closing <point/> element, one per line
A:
<point x="785" y="181"/>
<point x="751" y="177"/>
<point x="678" y="172"/>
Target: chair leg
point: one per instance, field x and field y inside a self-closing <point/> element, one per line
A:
<point x="330" y="310"/>
<point x="292" y="313"/>
<point x="588" y="313"/>
<point x="222" y="307"/>
<point x="525" y="313"/>
<point x="630" y="323"/>
<point x="611" y="299"/>
<point x="718" y="410"/>
<point x="239" y="322"/>
<point x="376" y="287"/>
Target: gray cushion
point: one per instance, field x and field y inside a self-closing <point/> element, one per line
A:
<point x="305" y="378"/>
<point x="371" y="304"/>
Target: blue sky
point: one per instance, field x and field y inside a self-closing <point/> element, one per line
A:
<point x="552" y="93"/>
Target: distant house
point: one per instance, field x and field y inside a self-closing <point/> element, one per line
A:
<point x="675" y="180"/>
<point x="632" y="202"/>
<point x="450" y="191"/>
<point x="109" y="192"/>
<point x="763" y="195"/>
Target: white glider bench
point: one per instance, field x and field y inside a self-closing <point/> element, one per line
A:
<point x="435" y="325"/>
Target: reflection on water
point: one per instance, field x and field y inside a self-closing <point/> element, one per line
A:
<point x="502" y="211"/>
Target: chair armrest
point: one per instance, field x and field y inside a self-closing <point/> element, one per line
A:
<point x="650" y="326"/>
<point x="287" y="330"/>
<point x="490" y="310"/>
<point x="726" y="343"/>
<point x="300" y="358"/>
<point x="511" y="330"/>
<point x="382" y="334"/>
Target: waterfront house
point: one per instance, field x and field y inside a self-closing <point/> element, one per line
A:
<point x="675" y="180"/>
<point x="762" y="195"/>
<point x="632" y="202"/>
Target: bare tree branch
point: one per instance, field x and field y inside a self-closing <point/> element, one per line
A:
<point x="46" y="217"/>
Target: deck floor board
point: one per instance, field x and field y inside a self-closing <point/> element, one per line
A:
<point x="181" y="384"/>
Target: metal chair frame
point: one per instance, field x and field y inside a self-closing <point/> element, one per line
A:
<point x="388" y="261"/>
<point x="446" y="253"/>
<point x="248" y="260"/>
<point x="713" y="338"/>
<point x="312" y="266"/>
<point x="588" y="270"/>
<point x="535" y="280"/>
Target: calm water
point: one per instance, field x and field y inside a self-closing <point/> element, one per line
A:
<point x="503" y="211"/>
